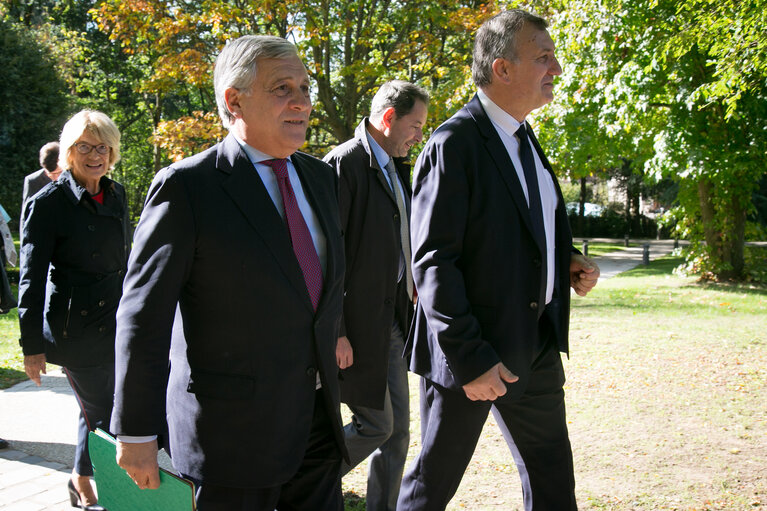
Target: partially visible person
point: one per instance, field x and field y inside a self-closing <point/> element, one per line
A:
<point x="7" y="255"/>
<point x="49" y="172"/>
<point x="374" y="199"/>
<point x="73" y="260"/>
<point x="493" y="262"/>
<point x="236" y="274"/>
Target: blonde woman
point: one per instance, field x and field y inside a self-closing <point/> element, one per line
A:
<point x="73" y="259"/>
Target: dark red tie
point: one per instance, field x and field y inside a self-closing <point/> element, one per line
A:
<point x="303" y="246"/>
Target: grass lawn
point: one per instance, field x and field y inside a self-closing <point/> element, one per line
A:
<point x="11" y="359"/>
<point x="597" y="249"/>
<point x="666" y="395"/>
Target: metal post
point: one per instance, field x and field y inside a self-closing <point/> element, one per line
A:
<point x="676" y="243"/>
<point x="626" y="240"/>
<point x="585" y="247"/>
<point x="646" y="254"/>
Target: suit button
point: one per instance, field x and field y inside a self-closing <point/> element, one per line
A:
<point x="102" y="303"/>
<point x="537" y="262"/>
<point x="396" y="217"/>
<point x="102" y="329"/>
<point x="83" y="312"/>
<point x="388" y="301"/>
<point x="91" y="228"/>
<point x="534" y="305"/>
<point x="95" y="255"/>
<point x="311" y="371"/>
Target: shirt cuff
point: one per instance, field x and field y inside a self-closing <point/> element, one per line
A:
<point x="127" y="439"/>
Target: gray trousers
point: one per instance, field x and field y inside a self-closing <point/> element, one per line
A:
<point x="384" y="435"/>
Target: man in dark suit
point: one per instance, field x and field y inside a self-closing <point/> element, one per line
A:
<point x="374" y="198"/>
<point x="49" y="172"/>
<point x="237" y="270"/>
<point x="493" y="263"/>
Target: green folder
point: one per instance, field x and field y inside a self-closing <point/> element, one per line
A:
<point x="118" y="492"/>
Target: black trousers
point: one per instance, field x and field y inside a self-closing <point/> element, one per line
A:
<point x="533" y="426"/>
<point x="94" y="391"/>
<point x="315" y="487"/>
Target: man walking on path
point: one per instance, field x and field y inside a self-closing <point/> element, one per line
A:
<point x="493" y="263"/>
<point x="374" y="199"/>
<point x="236" y="273"/>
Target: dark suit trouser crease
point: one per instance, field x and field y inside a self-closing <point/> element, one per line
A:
<point x="94" y="391"/>
<point x="534" y="427"/>
<point x="316" y="485"/>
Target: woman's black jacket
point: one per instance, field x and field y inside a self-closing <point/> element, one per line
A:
<point x="73" y="261"/>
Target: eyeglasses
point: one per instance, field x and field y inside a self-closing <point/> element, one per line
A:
<point x="85" y="148"/>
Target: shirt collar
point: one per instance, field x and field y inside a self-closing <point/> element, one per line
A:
<point x="254" y="154"/>
<point x="498" y="115"/>
<point x="381" y="157"/>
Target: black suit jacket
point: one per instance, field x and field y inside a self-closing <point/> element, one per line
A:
<point x="33" y="183"/>
<point x="73" y="259"/>
<point x="212" y="251"/>
<point x="372" y="297"/>
<point x="476" y="264"/>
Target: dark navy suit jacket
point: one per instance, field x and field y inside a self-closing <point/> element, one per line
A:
<point x="476" y="264"/>
<point x="213" y="279"/>
<point x="372" y="297"/>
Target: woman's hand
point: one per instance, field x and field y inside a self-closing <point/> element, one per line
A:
<point x="33" y="366"/>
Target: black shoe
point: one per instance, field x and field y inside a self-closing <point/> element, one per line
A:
<point x="3" y="444"/>
<point x="74" y="499"/>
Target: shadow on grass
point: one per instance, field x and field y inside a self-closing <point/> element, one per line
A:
<point x="353" y="502"/>
<point x="10" y="377"/>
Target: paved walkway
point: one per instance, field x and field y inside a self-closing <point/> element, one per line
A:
<point x="40" y="423"/>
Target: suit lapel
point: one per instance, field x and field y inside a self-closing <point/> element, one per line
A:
<point x="502" y="161"/>
<point x="373" y="166"/>
<point x="248" y="192"/>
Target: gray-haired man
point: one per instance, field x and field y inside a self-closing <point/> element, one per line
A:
<point x="236" y="271"/>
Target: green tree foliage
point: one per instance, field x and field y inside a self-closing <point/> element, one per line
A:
<point x="33" y="104"/>
<point x="663" y="84"/>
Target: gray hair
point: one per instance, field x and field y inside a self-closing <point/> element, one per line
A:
<point x="400" y="95"/>
<point x="97" y="124"/>
<point x="497" y="38"/>
<point x="236" y="65"/>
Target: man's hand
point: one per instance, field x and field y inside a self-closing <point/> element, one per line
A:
<point x="33" y="366"/>
<point x="140" y="462"/>
<point x="344" y="353"/>
<point x="584" y="274"/>
<point x="490" y="385"/>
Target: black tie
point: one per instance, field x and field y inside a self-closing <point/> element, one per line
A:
<point x="534" y="202"/>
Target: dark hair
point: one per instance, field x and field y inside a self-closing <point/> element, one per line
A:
<point x="497" y="38"/>
<point x="397" y="94"/>
<point x="49" y="156"/>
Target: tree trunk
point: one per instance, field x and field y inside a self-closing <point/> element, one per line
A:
<point x="582" y="208"/>
<point x="736" y="238"/>
<point x="708" y="218"/>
